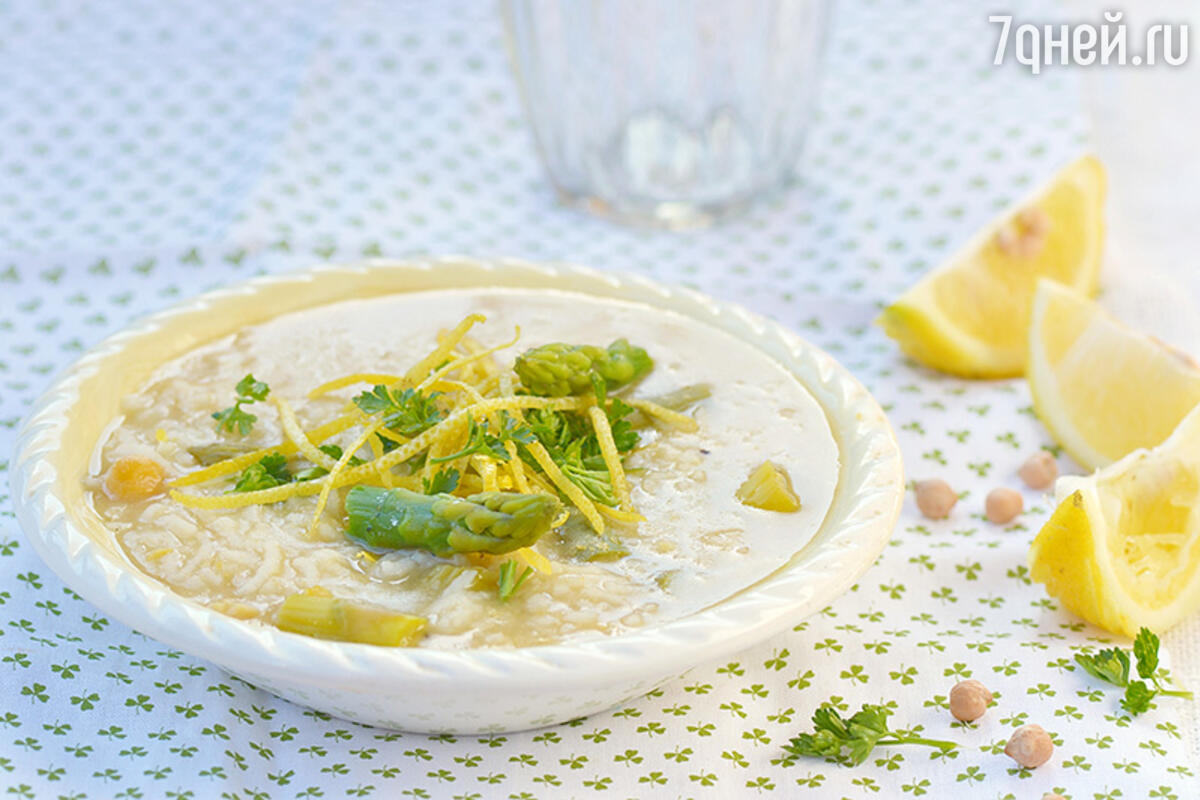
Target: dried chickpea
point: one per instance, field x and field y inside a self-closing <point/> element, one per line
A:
<point x="969" y="700"/>
<point x="935" y="498"/>
<point x="1030" y="746"/>
<point x="1039" y="470"/>
<point x="132" y="478"/>
<point x="1003" y="505"/>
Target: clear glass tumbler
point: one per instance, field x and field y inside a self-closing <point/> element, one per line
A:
<point x="667" y="112"/>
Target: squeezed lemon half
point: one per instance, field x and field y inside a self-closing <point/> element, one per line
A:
<point x="970" y="316"/>
<point x="1122" y="550"/>
<point x="1102" y="389"/>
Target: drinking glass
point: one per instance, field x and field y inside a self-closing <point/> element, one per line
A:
<point x="667" y="112"/>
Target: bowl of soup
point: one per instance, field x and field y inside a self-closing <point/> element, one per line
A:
<point x="456" y="495"/>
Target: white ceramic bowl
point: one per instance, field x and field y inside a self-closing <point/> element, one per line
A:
<point x="470" y="691"/>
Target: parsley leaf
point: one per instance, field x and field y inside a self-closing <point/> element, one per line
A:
<point x="1145" y="648"/>
<point x="512" y="431"/>
<point x="272" y="470"/>
<point x="1138" y="697"/>
<point x="479" y="441"/>
<point x="1110" y="665"/>
<point x="442" y="482"/>
<point x="268" y="472"/>
<point x="248" y="391"/>
<point x="624" y="436"/>
<point x="234" y="418"/>
<point x="335" y="452"/>
<point x="592" y="478"/>
<point x="850" y="741"/>
<point x="315" y="471"/>
<point x="408" y="413"/>
<point x="509" y="580"/>
<point x="571" y="442"/>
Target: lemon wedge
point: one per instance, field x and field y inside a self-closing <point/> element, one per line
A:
<point x="1122" y="550"/>
<point x="1102" y="389"/>
<point x="970" y="316"/>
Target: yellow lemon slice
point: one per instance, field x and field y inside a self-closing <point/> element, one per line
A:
<point x="1122" y="550"/>
<point x="1102" y="389"/>
<point x="970" y="316"/>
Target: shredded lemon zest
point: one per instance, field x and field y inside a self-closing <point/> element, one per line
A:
<point x="160" y="434"/>
<point x="516" y="467"/>
<point x="473" y="346"/>
<point x="445" y="348"/>
<point x="618" y="515"/>
<point x="358" y="377"/>
<point x="541" y="484"/>
<point x="486" y="371"/>
<point x="362" y="472"/>
<point x="487" y="471"/>
<point x="366" y="555"/>
<point x="390" y="434"/>
<point x="159" y="553"/>
<point x="410" y="482"/>
<point x="238" y="463"/>
<point x="487" y="386"/>
<point x="331" y="478"/>
<point x="456" y="422"/>
<point x="470" y="359"/>
<point x="385" y="475"/>
<point x="561" y="519"/>
<point x="504" y="384"/>
<point x="451" y="441"/>
<point x="242" y="499"/>
<point x="567" y="486"/>
<point x="297" y="436"/>
<point x="446" y="384"/>
<point x="532" y="558"/>
<point x="612" y="458"/>
<point x="470" y="484"/>
<point x="673" y="418"/>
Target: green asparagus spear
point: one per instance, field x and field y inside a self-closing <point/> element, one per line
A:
<point x="557" y="370"/>
<point x="489" y="522"/>
<point x="209" y="454"/>
<point x="325" y="617"/>
<point x="577" y="541"/>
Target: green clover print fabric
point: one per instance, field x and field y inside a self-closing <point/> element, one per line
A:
<point x="149" y="151"/>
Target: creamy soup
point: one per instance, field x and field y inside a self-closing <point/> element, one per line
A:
<point x="695" y="544"/>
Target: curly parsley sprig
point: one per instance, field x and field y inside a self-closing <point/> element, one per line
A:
<point x="572" y="444"/>
<point x="1112" y="665"/>
<point x="443" y="481"/>
<point x="849" y="741"/>
<point x="272" y="470"/>
<point x="479" y="441"/>
<point x="249" y="391"/>
<point x="407" y="412"/>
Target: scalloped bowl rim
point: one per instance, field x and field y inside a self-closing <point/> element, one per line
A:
<point x="854" y="532"/>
